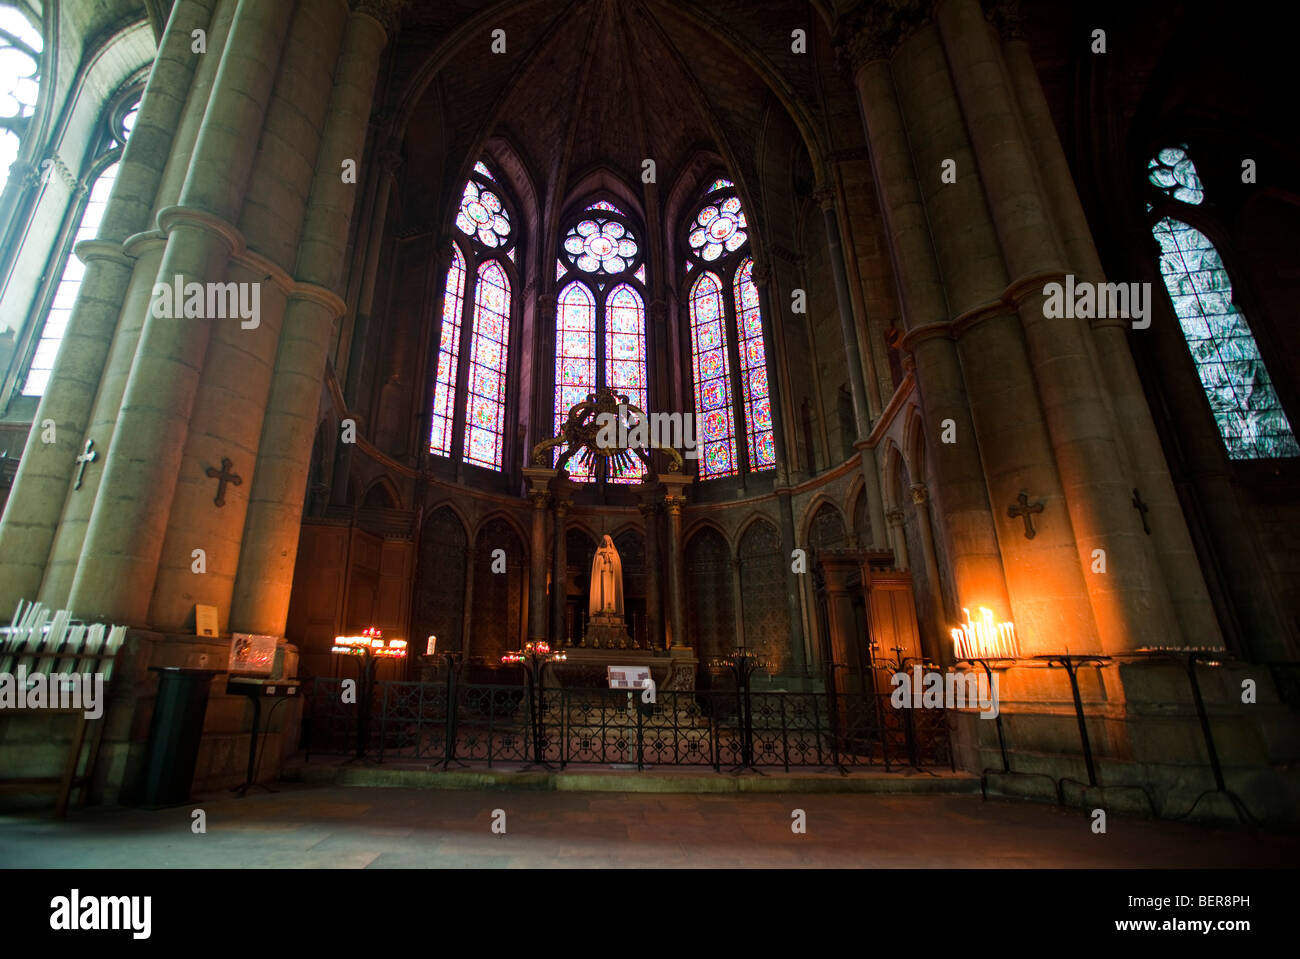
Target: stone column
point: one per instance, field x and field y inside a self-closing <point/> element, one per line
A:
<point x="673" y="503"/>
<point x="232" y="400"/>
<point x="1130" y="603"/>
<point x="921" y="501"/>
<point x="966" y="516"/>
<point x="853" y="357"/>
<point x="119" y="561"/>
<point x="793" y="591"/>
<point x="559" y="568"/>
<point x="468" y="609"/>
<point x="355" y="336"/>
<point x="267" y="557"/>
<point x="146" y="250"/>
<point x="539" y="481"/>
<point x="37" y="497"/>
<point x="1175" y="552"/>
<point x="1045" y="583"/>
<point x="653" y="601"/>
<point x="898" y="538"/>
<point x="738" y="601"/>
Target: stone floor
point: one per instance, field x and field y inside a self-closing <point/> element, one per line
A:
<point x="349" y="827"/>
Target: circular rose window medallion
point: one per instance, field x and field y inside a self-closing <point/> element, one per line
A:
<point x="600" y="246"/>
<point x="721" y="228"/>
<point x="477" y="212"/>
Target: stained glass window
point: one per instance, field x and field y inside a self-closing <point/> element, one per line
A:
<point x="753" y="370"/>
<point x="600" y="325"/>
<point x="1242" y="397"/>
<point x="718" y="227"/>
<point x="625" y="360"/>
<point x="575" y="361"/>
<point x="474" y="338"/>
<point x="444" y="395"/>
<point x="726" y="315"/>
<point x="20" y="64"/>
<point x="65" y="293"/>
<point x="601" y="245"/>
<point x="1241" y="394"/>
<point x="483" y="216"/>
<point x="715" y="427"/>
<point x="489" y="355"/>
<point x="1173" y="172"/>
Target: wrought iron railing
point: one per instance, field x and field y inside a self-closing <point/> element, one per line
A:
<point x="724" y="729"/>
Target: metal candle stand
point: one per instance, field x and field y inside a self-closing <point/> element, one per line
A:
<point x="1002" y="740"/>
<point x="534" y="657"/>
<point x="370" y="648"/>
<point x="743" y="664"/>
<point x="453" y="664"/>
<point x="1071" y="665"/>
<point x="1189" y="658"/>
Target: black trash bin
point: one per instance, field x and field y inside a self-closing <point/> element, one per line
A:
<point x="174" y="734"/>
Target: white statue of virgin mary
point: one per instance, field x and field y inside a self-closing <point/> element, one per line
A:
<point x="606" y="582"/>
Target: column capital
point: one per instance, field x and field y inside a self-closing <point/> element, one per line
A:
<point x="875" y="31"/>
<point x="824" y="197"/>
<point x="895" y="516"/>
<point x="674" y="503"/>
<point x="920" y="493"/>
<point x="1005" y="16"/>
<point x="387" y="13"/>
<point x="647" y="510"/>
<point x="539" y="498"/>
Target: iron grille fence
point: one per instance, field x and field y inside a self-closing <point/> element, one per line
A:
<point x="719" y="728"/>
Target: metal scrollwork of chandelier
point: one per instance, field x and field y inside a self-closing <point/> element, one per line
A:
<point x="581" y="435"/>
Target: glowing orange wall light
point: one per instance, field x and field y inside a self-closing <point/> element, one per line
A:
<point x="984" y="638"/>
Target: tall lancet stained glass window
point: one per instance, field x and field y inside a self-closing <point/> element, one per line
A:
<point x="485" y="416"/>
<point x="625" y="360"/>
<point x="729" y="369"/>
<point x="711" y="372"/>
<point x="1242" y="397"/>
<point x="57" y="314"/>
<point x="444" y="393"/>
<point x="753" y="369"/>
<point x="575" y="360"/>
<point x="600" y="337"/>
<point x="470" y="383"/>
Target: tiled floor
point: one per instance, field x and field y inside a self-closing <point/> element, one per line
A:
<point x="347" y="827"/>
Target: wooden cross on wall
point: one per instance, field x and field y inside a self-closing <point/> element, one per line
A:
<point x="88" y="455"/>
<point x="1025" y="512"/>
<point x="223" y="476"/>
